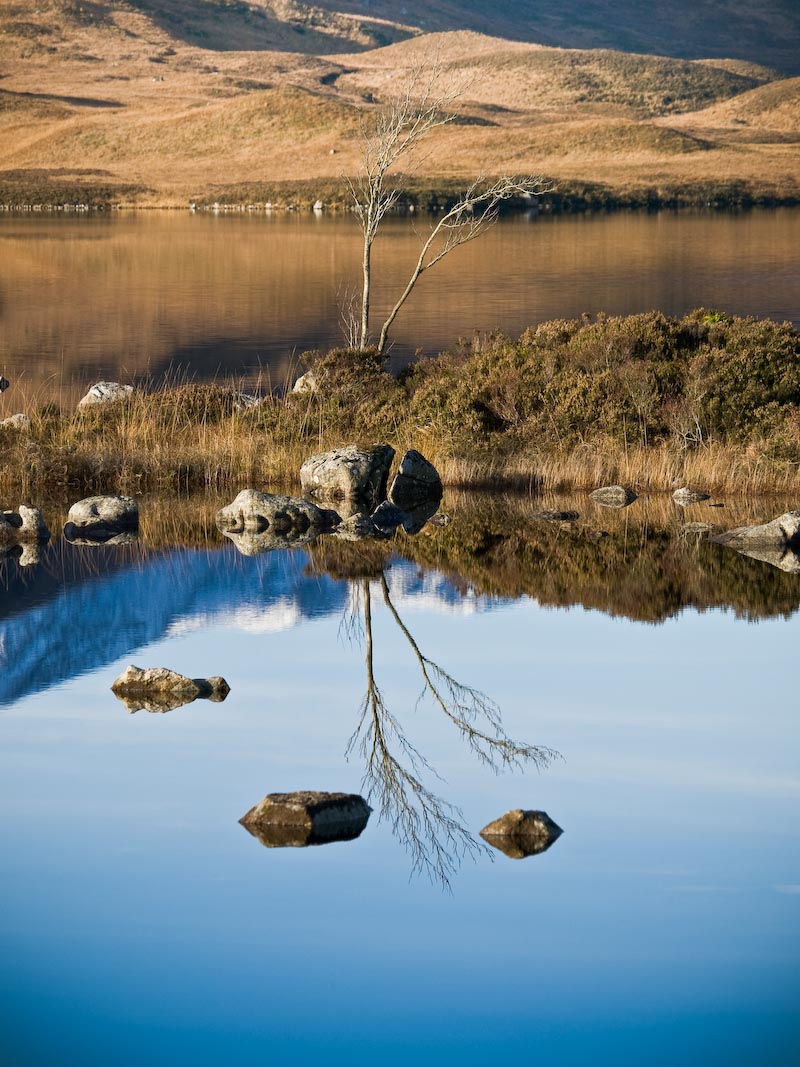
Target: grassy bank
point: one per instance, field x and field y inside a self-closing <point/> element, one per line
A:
<point x="708" y="400"/>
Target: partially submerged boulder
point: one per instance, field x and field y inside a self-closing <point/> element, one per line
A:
<point x="306" y="818"/>
<point x="685" y="496"/>
<point x="261" y="522"/>
<point x="99" y="518"/>
<point x="26" y="524"/>
<point x="345" y="473"/>
<point x="520" y="833"/>
<point x="105" y="393"/>
<point x="613" y="496"/>
<point x="158" y="689"/>
<point x="785" y="559"/>
<point x="781" y="533"/>
<point x="417" y="482"/>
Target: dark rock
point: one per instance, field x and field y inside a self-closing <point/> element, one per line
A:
<point x="521" y="833"/>
<point x="4" y="383"/>
<point x="344" y="473"/>
<point x="387" y="517"/>
<point x="419" y="517"/>
<point x="417" y="481"/>
<point x="306" y="818"/>
<point x="613" y="496"/>
<point x="358" y="527"/>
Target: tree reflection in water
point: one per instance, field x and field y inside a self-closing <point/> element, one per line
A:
<point x="429" y="827"/>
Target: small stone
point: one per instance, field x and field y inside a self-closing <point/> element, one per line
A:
<point x="160" y="689"/>
<point x="686" y="496"/>
<point x="520" y="833"/>
<point x="306" y="818"/>
<point x="306" y="383"/>
<point x="613" y="496"/>
<point x="105" y="393"/>
<point x="358" y="527"/>
<point x="16" y="422"/>
<point x="4" y="383"/>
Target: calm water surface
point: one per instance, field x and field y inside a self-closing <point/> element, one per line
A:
<point x="140" y="923"/>
<point x="127" y="296"/>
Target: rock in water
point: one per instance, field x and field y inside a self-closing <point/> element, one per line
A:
<point x="160" y="689"/>
<point x="105" y="393"/>
<point x="556" y="516"/>
<point x="25" y="524"/>
<point x="101" y="517"/>
<point x="686" y="496"/>
<point x="306" y="818"/>
<point x="347" y="473"/>
<point x="613" y="496"/>
<point x="417" y="481"/>
<point x="781" y="533"/>
<point x="260" y="522"/>
<point x="521" y="833"/>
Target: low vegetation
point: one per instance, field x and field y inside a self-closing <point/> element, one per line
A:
<point x="654" y="402"/>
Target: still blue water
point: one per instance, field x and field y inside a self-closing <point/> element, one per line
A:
<point x="141" y="924"/>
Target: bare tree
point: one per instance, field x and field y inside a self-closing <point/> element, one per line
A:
<point x="400" y="125"/>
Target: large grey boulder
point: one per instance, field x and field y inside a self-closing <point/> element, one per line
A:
<point x="158" y="689"/>
<point x="685" y="496"/>
<point x="417" y="481"/>
<point x="782" y="533"/>
<point x="105" y="393"/>
<point x="26" y="524"/>
<point x="99" y="518"/>
<point x="261" y="522"/>
<point x="520" y="833"/>
<point x="347" y="473"/>
<point x="613" y="496"/>
<point x="306" y="818"/>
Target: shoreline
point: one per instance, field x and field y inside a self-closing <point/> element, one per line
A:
<point x="421" y="196"/>
<point x="710" y="401"/>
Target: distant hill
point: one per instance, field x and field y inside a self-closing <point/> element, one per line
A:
<point x="160" y="102"/>
<point x="766" y="32"/>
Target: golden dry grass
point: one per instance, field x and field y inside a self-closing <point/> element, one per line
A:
<point x="99" y="89"/>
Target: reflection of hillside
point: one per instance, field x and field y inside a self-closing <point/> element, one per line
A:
<point x="645" y="570"/>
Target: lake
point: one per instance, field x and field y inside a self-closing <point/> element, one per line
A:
<point x="168" y="294"/>
<point x="653" y="672"/>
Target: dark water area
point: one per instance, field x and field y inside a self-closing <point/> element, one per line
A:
<point x="155" y="295"/>
<point x="639" y="687"/>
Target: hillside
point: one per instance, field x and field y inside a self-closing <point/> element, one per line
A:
<point x="150" y="103"/>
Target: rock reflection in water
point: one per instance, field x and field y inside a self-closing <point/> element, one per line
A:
<point x="300" y="819"/>
<point x="519" y="834"/>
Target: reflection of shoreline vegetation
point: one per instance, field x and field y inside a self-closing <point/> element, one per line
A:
<point x="707" y="399"/>
<point x="428" y="826"/>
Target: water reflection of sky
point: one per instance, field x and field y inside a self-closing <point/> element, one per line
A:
<point x="141" y="924"/>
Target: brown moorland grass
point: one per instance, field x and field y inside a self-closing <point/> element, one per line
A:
<point x="170" y="116"/>
<point x="708" y="400"/>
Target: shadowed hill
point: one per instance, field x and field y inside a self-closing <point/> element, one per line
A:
<point x="767" y="33"/>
